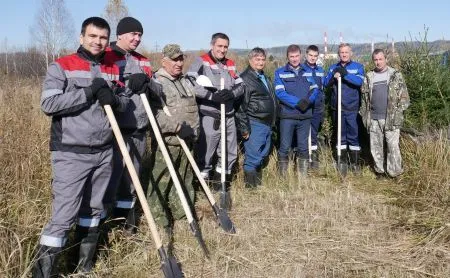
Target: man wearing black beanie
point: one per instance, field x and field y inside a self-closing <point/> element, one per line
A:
<point x="134" y="70"/>
<point x="129" y="25"/>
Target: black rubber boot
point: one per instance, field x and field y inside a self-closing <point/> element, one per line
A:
<point x="46" y="260"/>
<point x="283" y="165"/>
<point x="250" y="178"/>
<point x="216" y="181"/>
<point x="259" y="177"/>
<point x="314" y="160"/>
<point x="354" y="162"/>
<point x="88" y="240"/>
<point x="343" y="165"/>
<point x="127" y="219"/>
<point x="302" y="166"/>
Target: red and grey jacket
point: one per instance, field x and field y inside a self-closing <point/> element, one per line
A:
<point x="215" y="70"/>
<point x="127" y="63"/>
<point x="79" y="123"/>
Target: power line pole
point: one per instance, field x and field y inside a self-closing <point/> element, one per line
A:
<point x="156" y="47"/>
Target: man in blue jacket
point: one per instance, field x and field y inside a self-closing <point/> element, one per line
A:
<point x="315" y="75"/>
<point x="352" y="74"/>
<point x="296" y="95"/>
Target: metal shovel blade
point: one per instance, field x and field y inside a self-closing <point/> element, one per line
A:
<point x="169" y="265"/>
<point x="224" y="220"/>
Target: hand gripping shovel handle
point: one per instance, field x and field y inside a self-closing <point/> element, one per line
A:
<point x="222" y="216"/>
<point x="173" y="174"/>
<point x="169" y="265"/>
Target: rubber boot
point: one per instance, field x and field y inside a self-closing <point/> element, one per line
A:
<point x="314" y="160"/>
<point x="302" y="166"/>
<point x="250" y="179"/>
<point x="343" y="165"/>
<point x="216" y="183"/>
<point x="45" y="265"/>
<point x="225" y="198"/>
<point x="354" y="162"/>
<point x="127" y="219"/>
<point x="283" y="164"/>
<point x="88" y="239"/>
<point x="258" y="177"/>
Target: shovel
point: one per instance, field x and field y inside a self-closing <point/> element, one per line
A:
<point x="173" y="174"/>
<point x="225" y="198"/>
<point x="339" y="127"/>
<point x="222" y="215"/>
<point x="169" y="264"/>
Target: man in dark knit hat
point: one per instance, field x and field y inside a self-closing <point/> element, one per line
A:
<point x="135" y="72"/>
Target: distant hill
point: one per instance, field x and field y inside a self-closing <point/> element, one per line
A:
<point x="359" y="49"/>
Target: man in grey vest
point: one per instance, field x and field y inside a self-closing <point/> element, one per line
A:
<point x="384" y="98"/>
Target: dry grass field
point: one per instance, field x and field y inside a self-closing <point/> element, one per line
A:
<point x="320" y="227"/>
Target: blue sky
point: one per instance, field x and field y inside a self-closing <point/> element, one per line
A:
<point x="274" y="23"/>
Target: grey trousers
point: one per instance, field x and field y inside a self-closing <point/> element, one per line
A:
<point x="209" y="144"/>
<point x="378" y="135"/>
<point x="121" y="192"/>
<point x="78" y="186"/>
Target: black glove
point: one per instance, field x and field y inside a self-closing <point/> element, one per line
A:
<point x="226" y="94"/>
<point x="97" y="84"/>
<point x="137" y="81"/>
<point x="342" y="71"/>
<point x="303" y="104"/>
<point x="106" y="97"/>
<point x="185" y="131"/>
<point x="155" y="88"/>
<point x="216" y="97"/>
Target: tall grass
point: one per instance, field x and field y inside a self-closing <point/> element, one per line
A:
<point x="320" y="227"/>
<point x="24" y="182"/>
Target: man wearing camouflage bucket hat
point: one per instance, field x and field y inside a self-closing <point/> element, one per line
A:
<point x="179" y="98"/>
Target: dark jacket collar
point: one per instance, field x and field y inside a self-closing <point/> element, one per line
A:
<point x="305" y="65"/>
<point x="223" y="61"/>
<point x="83" y="53"/>
<point x="346" y="65"/>
<point x="117" y="49"/>
<point x="288" y="67"/>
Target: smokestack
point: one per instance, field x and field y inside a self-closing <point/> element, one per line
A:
<point x="325" y="43"/>
<point x="373" y="46"/>
<point x="393" y="46"/>
<point x="341" y="39"/>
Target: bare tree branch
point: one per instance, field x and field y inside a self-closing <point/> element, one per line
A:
<point x="53" y="30"/>
<point x="115" y="10"/>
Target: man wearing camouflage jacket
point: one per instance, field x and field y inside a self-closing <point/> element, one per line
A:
<point x="384" y="98"/>
<point x="179" y="98"/>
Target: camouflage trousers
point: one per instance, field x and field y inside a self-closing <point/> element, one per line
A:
<point x="385" y="143"/>
<point x="162" y="195"/>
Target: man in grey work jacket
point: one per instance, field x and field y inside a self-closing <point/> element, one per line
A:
<point x="74" y="92"/>
<point x="134" y="71"/>
<point x="215" y="66"/>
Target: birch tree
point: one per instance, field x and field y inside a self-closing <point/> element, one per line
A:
<point x="53" y="29"/>
<point x="115" y="10"/>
